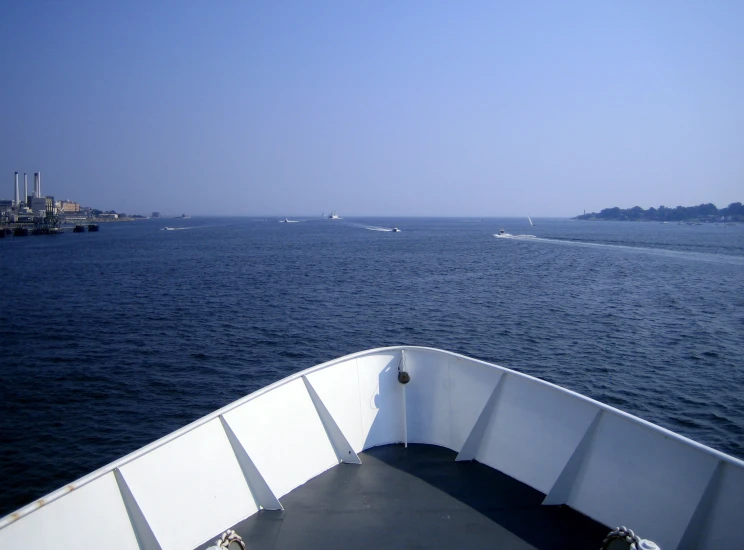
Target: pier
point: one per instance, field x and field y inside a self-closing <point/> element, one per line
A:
<point x="51" y="227"/>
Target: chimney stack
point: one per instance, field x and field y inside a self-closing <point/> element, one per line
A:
<point x="25" y="187"/>
<point x="37" y="184"/>
<point x="17" y="198"/>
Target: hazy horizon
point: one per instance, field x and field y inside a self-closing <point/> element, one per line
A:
<point x="374" y="109"/>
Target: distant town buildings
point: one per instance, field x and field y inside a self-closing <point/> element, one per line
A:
<point x="40" y="210"/>
<point x="69" y="206"/>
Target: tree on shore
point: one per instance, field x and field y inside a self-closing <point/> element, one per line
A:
<point x="734" y="212"/>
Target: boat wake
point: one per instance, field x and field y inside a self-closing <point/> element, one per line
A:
<point x="681" y="254"/>
<point x="177" y="228"/>
<point x="373" y="228"/>
<point x="515" y="237"/>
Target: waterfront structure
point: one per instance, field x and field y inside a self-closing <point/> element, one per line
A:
<point x="39" y="210"/>
<point x="43" y="206"/>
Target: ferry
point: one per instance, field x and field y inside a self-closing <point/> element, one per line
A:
<point x="401" y="447"/>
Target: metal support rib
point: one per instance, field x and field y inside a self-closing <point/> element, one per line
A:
<point x="699" y="520"/>
<point x="340" y="444"/>
<point x="562" y="487"/>
<point x="262" y="493"/>
<point x="143" y="533"/>
<point x="472" y="444"/>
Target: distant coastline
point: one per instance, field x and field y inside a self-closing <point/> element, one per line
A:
<point x="734" y="212"/>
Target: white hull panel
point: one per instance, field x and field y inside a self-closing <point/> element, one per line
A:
<point x="187" y="487"/>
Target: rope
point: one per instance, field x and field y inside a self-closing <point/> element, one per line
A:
<point x="625" y="534"/>
<point x="227" y="538"/>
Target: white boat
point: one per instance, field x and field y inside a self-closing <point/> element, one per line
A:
<point x="333" y="216"/>
<point x="530" y="220"/>
<point x="304" y="447"/>
<point x="396" y="230"/>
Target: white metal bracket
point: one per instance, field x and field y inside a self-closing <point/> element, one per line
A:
<point x="338" y="440"/>
<point x="262" y="493"/>
<point x="142" y="531"/>
<point x="472" y="444"/>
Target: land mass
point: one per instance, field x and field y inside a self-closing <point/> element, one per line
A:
<point x="734" y="212"/>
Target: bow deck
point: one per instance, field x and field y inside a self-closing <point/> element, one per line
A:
<point x="417" y="497"/>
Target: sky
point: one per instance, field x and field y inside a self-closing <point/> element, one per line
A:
<point x="374" y="108"/>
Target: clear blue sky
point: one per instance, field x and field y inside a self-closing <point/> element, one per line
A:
<point x="374" y="108"/>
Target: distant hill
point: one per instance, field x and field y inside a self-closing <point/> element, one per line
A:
<point x="734" y="212"/>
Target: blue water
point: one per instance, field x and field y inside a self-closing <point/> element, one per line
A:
<point x="111" y="340"/>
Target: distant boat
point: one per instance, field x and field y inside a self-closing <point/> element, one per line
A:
<point x="285" y="220"/>
<point x="530" y="220"/>
<point x="502" y="232"/>
<point x="396" y="230"/>
<point x="333" y="216"/>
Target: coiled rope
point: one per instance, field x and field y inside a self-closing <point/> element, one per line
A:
<point x="627" y="535"/>
<point x="227" y="538"/>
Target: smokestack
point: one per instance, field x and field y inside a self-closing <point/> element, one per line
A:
<point x="37" y="184"/>
<point x="17" y="198"/>
<point x="25" y="187"/>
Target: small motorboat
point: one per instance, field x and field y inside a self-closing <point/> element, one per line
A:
<point x="396" y="230"/>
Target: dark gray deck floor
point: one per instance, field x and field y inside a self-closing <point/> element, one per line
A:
<point x="417" y="497"/>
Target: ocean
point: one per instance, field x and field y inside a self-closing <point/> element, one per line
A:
<point x="111" y="340"/>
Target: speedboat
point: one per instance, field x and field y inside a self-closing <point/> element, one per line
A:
<point x="396" y="230"/>
<point x="401" y="446"/>
<point x="502" y="232"/>
<point x="285" y="220"/>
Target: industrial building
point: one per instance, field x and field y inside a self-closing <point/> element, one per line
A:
<point x="29" y="209"/>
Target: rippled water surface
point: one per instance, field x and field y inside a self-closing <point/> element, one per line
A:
<point x="111" y="340"/>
